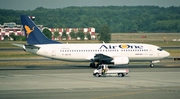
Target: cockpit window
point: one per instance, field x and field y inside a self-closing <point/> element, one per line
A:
<point x="160" y="49"/>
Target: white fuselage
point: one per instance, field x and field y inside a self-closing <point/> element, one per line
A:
<point x="86" y="52"/>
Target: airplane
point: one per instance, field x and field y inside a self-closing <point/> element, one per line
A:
<point x="96" y="53"/>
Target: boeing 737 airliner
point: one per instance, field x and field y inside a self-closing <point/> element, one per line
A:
<point x="102" y="53"/>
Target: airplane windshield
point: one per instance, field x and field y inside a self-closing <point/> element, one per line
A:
<point x="160" y="49"/>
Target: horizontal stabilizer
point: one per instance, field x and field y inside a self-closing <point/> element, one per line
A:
<point x="31" y="47"/>
<point x="19" y="45"/>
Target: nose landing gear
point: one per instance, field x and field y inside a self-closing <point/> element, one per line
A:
<point x="152" y="62"/>
<point x="94" y="65"/>
<point x="151" y="65"/>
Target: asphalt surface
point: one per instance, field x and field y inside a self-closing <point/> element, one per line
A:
<point x="77" y="82"/>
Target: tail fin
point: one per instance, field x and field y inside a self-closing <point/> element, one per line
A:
<point x="33" y="34"/>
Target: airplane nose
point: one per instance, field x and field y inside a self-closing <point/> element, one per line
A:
<point x="166" y="54"/>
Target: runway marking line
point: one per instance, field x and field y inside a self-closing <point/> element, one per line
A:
<point x="123" y="94"/>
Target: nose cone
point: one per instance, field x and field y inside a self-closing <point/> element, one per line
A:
<point x="166" y="54"/>
<point x="163" y="54"/>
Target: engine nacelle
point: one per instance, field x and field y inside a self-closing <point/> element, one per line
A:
<point x="120" y="61"/>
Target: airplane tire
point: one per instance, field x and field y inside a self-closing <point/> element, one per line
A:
<point x="151" y="65"/>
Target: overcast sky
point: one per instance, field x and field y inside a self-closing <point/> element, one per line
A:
<point x="33" y="4"/>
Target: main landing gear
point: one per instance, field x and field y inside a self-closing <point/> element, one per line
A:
<point x="94" y="65"/>
<point x="151" y="65"/>
<point x="152" y="62"/>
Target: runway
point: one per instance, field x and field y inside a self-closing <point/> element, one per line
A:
<point x="77" y="82"/>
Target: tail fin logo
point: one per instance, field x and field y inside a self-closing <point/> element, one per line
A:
<point x="28" y="30"/>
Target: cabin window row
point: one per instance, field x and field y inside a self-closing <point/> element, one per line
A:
<point x="135" y="50"/>
<point x="88" y="50"/>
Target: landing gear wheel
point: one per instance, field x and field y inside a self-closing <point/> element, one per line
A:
<point x="151" y="65"/>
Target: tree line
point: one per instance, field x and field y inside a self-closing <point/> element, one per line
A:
<point x="118" y="18"/>
<point x="74" y="36"/>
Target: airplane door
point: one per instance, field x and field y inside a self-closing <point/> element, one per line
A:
<point x="150" y="52"/>
<point x="153" y="53"/>
<point x="53" y="51"/>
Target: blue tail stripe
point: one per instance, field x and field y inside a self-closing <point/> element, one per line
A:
<point x="33" y="34"/>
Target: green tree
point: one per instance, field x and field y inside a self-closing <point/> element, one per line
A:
<point x="12" y="35"/>
<point x="23" y="38"/>
<point x="17" y="37"/>
<point x="73" y="34"/>
<point x="6" y="38"/>
<point x="81" y="34"/>
<point x="64" y="35"/>
<point x="119" y="18"/>
<point x="104" y="34"/>
<point x="47" y="33"/>
<point x="88" y="35"/>
<point x="20" y="38"/>
<point x="56" y="34"/>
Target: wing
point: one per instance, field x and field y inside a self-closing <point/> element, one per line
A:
<point x="102" y="58"/>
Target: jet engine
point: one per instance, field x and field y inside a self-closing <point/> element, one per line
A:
<point x="120" y="61"/>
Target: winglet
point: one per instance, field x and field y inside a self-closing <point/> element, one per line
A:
<point x="33" y="34"/>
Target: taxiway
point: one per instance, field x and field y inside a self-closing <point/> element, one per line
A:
<point x="77" y="82"/>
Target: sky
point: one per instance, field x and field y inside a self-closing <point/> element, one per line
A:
<point x="33" y="4"/>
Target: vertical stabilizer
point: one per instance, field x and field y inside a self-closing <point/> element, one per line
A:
<point x="33" y="34"/>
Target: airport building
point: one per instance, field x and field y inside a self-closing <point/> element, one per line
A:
<point x="69" y="30"/>
<point x="7" y="28"/>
